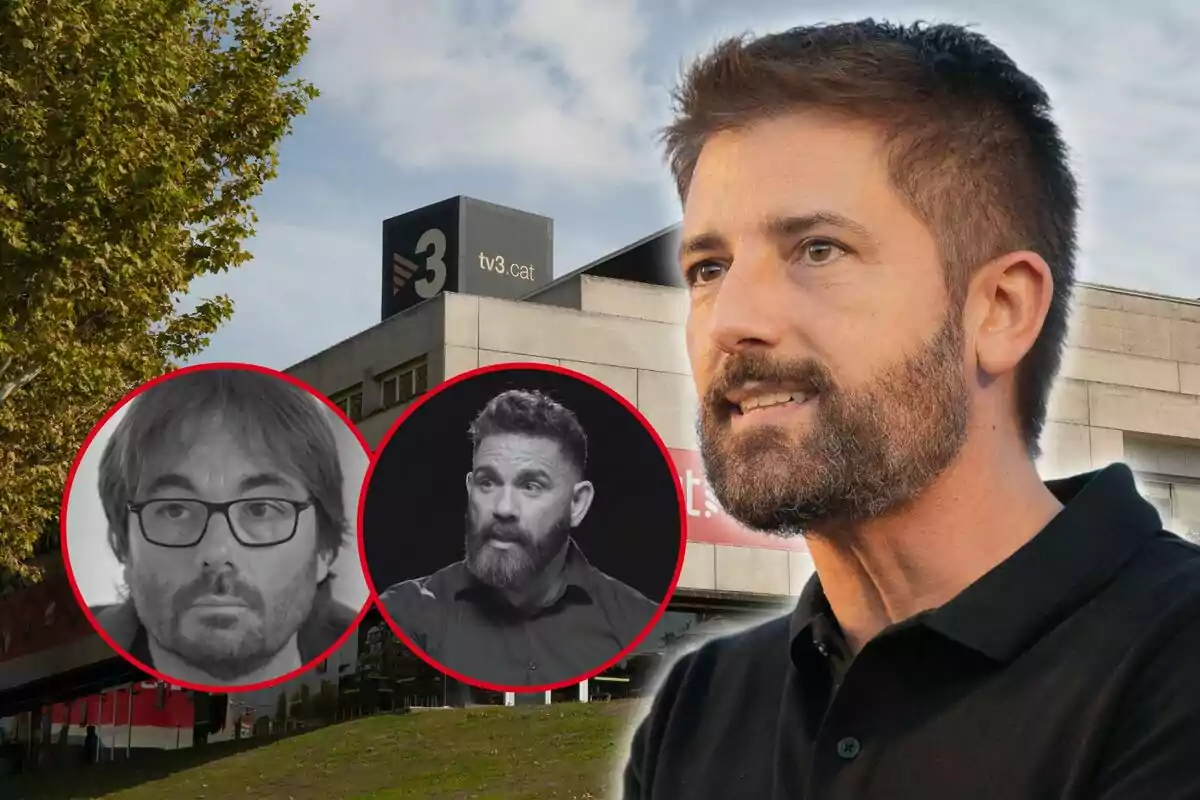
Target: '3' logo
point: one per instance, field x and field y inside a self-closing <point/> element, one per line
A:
<point x="432" y="245"/>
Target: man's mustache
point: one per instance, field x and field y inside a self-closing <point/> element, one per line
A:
<point x="807" y="375"/>
<point x="504" y="532"/>
<point x="222" y="584"/>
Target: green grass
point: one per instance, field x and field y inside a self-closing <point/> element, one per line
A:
<point x="564" y="751"/>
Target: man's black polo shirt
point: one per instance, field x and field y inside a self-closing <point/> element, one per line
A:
<point x="467" y="627"/>
<point x="1070" y="671"/>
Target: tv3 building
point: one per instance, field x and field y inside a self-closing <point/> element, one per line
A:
<point x="465" y="283"/>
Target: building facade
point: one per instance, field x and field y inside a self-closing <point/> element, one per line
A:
<point x="1129" y="391"/>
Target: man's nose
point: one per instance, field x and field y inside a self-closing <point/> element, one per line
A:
<point x="219" y="544"/>
<point x="506" y="504"/>
<point x="751" y="307"/>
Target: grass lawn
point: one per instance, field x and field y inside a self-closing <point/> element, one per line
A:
<point x="562" y="751"/>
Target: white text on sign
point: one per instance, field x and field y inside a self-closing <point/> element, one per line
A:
<point x="697" y="495"/>
<point x="522" y="272"/>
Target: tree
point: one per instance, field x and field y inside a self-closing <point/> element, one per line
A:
<point x="135" y="138"/>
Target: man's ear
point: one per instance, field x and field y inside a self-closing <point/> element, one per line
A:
<point x="1007" y="304"/>
<point x="582" y="495"/>
<point x="325" y="559"/>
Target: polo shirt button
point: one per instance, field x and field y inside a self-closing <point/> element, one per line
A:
<point x="532" y="666"/>
<point x="848" y="748"/>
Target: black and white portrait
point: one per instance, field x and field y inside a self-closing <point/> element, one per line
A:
<point x="209" y="528"/>
<point x="523" y="528"/>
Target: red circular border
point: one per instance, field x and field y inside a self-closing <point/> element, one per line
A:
<point x="79" y="598"/>
<point x="511" y="367"/>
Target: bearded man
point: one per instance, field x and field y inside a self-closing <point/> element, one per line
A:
<point x="879" y="243"/>
<point x="523" y="608"/>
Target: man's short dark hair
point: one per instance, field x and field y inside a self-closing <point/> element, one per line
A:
<point x="532" y="413"/>
<point x="268" y="414"/>
<point x="971" y="144"/>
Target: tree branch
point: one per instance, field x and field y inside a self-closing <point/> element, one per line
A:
<point x="8" y="387"/>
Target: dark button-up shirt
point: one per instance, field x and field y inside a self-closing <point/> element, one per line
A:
<point x="1071" y="671"/>
<point x="466" y="627"/>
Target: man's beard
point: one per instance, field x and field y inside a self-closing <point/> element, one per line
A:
<point x="868" y="451"/>
<point x="512" y="567"/>
<point x="223" y="646"/>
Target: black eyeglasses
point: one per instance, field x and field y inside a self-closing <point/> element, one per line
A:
<point x="254" y="521"/>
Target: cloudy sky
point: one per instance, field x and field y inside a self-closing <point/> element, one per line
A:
<point x="551" y="106"/>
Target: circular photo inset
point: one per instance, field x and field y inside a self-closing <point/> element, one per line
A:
<point x="522" y="527"/>
<point x="207" y="527"/>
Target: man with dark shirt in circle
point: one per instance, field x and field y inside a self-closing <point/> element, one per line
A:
<point x="879" y="241"/>
<point x="524" y="607"/>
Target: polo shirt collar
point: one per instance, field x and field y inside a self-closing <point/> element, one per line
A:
<point x="810" y="606"/>
<point x="1103" y="522"/>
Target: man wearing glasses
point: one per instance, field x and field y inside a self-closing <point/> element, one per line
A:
<point x="223" y="494"/>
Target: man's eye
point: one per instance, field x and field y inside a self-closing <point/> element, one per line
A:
<point x="819" y="252"/>
<point x="704" y="272"/>
<point x="172" y="510"/>
<point x="263" y="509"/>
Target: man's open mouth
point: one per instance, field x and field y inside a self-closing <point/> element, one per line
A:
<point x="752" y="397"/>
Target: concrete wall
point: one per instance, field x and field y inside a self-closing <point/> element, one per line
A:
<point x="1129" y="377"/>
<point x="1130" y="386"/>
<point x="360" y="358"/>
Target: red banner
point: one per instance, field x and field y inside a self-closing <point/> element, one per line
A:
<point x="707" y="522"/>
<point x="153" y="706"/>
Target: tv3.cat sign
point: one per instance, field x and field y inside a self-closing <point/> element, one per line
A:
<point x="706" y="521"/>
<point x="498" y="265"/>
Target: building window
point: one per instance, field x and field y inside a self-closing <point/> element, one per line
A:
<point x="421" y="377"/>
<point x="401" y="384"/>
<point x="350" y="402"/>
